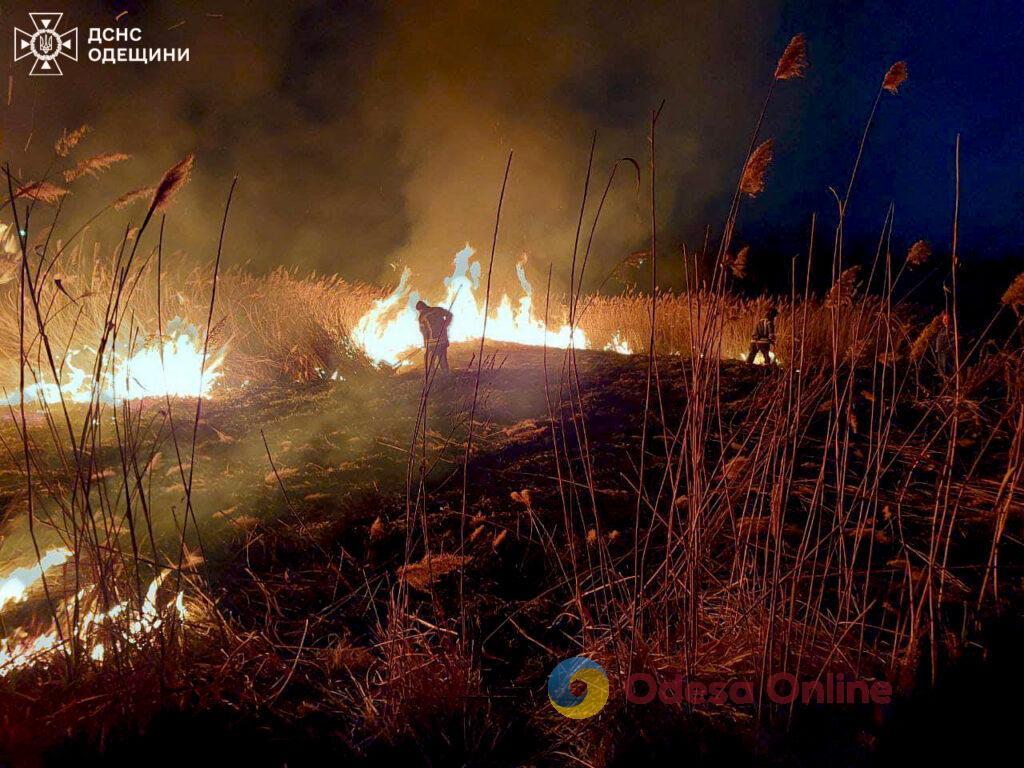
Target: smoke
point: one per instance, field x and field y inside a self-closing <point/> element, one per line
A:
<point x="370" y="136"/>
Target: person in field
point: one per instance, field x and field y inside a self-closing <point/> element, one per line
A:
<point x="763" y="337"/>
<point x="434" y="322"/>
<point x="943" y="345"/>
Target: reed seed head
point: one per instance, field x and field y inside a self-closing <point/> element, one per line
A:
<point x="175" y="178"/>
<point x="919" y="253"/>
<point x="752" y="182"/>
<point x="924" y="339"/>
<point x="94" y="165"/>
<point x="793" y="62"/>
<point x="1014" y="296"/>
<point x="739" y="264"/>
<point x="133" y="197"/>
<point x="42" y="192"/>
<point x="67" y="141"/>
<point x="844" y="289"/>
<point x="895" y="77"/>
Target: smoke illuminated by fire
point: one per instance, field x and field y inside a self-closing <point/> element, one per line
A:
<point x="389" y="333"/>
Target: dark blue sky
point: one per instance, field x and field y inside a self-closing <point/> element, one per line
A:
<point x="966" y="60"/>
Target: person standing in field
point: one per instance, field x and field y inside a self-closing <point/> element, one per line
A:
<point x="434" y="322"/>
<point x="943" y="345"/>
<point x="763" y="337"/>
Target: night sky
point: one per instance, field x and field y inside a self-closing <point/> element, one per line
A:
<point x="368" y="135"/>
<point x="965" y="59"/>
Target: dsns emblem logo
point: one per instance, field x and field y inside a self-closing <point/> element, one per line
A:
<point x="578" y="669"/>
<point x="46" y="44"/>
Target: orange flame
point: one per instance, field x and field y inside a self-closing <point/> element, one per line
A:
<point x="389" y="333"/>
<point x="129" y="627"/>
<point x="176" y="370"/>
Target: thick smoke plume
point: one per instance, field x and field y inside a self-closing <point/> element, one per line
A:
<point x="367" y="136"/>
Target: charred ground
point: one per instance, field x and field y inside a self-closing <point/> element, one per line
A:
<point x="321" y="502"/>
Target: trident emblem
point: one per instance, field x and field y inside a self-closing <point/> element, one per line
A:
<point x="46" y="44"/>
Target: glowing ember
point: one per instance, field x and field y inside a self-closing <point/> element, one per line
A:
<point x="14" y="586"/>
<point x="134" y="373"/>
<point x="389" y="333"/>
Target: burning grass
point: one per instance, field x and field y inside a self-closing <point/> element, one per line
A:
<point x="285" y="327"/>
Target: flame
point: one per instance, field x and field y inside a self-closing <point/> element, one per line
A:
<point x="14" y="586"/>
<point x="759" y="358"/>
<point x="390" y="334"/>
<point x="173" y="369"/>
<point x="123" y="625"/>
<point x="618" y="344"/>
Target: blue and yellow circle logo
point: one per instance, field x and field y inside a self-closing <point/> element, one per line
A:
<point x="583" y="670"/>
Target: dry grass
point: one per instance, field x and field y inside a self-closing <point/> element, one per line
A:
<point x="786" y="542"/>
<point x="69" y="140"/>
<point x="753" y="179"/>
<point x="793" y="62"/>
<point x="895" y="77"/>
<point x="1014" y="295"/>
<point x="284" y="326"/>
<point x="41" y="192"/>
<point x="919" y="253"/>
<point x="278" y="327"/>
<point x="94" y="165"/>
